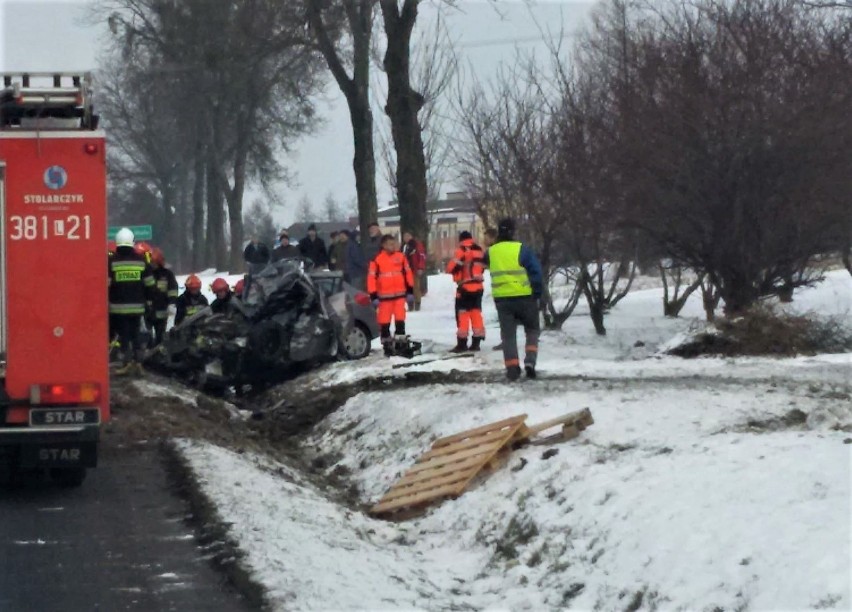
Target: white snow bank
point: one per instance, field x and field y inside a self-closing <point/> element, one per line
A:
<point x="670" y="494"/>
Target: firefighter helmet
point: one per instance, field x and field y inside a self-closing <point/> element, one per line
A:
<point x="220" y="284"/>
<point x="158" y="257"/>
<point x="111" y="246"/>
<point x="193" y="282"/>
<point x="238" y="288"/>
<point x="124" y="237"/>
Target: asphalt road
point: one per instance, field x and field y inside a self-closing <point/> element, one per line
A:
<point x="119" y="542"/>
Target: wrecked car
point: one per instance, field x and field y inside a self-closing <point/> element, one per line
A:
<point x="282" y="325"/>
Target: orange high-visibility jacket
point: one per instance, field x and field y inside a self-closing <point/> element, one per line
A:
<point x="390" y="276"/>
<point x="468" y="266"/>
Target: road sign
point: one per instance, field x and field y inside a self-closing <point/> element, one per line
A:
<point x="140" y="232"/>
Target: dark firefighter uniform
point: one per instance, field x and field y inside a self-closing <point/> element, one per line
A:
<point x="468" y="268"/>
<point x="516" y="284"/>
<point x="131" y="286"/>
<point x="188" y="305"/>
<point x="165" y="294"/>
<point x="390" y="280"/>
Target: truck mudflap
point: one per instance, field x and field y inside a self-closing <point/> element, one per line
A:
<point x="50" y="447"/>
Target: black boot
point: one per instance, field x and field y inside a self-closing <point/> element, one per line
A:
<point x="530" y="370"/>
<point x="474" y="344"/>
<point x="513" y="373"/>
<point x="461" y="346"/>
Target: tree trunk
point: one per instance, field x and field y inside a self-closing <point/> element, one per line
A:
<point x="199" y="246"/>
<point x="364" y="162"/>
<point x="216" y="255"/>
<point x="596" y="312"/>
<point x="234" y="199"/>
<point x="403" y="106"/>
<point x="710" y="299"/>
<point x="359" y="14"/>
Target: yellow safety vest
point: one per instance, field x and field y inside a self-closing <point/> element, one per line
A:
<point x="508" y="277"/>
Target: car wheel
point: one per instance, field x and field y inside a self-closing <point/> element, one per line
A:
<point x="357" y="342"/>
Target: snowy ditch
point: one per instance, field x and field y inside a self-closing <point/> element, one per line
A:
<point x="708" y="484"/>
<point x="688" y="494"/>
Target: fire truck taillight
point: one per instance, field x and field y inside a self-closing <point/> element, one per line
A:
<point x="90" y="148"/>
<point x="68" y="393"/>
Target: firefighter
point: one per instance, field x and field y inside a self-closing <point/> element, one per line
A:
<point x="516" y="284"/>
<point x="131" y="286"/>
<point x="114" y="343"/>
<point x="468" y="267"/>
<point x="239" y="287"/>
<point x="390" y="284"/>
<point x="165" y="296"/>
<point x="191" y="300"/>
<point x="224" y="302"/>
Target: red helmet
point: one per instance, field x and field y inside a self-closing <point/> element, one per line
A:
<point x="220" y="284"/>
<point x="142" y="248"/>
<point x="193" y="282"/>
<point x="111" y="246"/>
<point x="238" y="288"/>
<point x="158" y="257"/>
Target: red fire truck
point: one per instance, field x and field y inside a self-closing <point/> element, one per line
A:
<point x="54" y="370"/>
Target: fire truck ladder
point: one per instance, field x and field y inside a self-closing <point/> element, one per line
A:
<point x="47" y="100"/>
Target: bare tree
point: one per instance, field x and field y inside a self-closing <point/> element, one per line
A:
<point x="305" y="212"/>
<point x="258" y="221"/>
<point x="331" y="209"/>
<point x="434" y="70"/>
<point x="245" y="73"/>
<point x="403" y="107"/>
<point x="731" y="166"/>
<point x="334" y="25"/>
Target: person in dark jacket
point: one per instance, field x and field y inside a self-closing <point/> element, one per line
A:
<point x="131" y="285"/>
<point x="516" y="285"/>
<point x="373" y="244"/>
<point x="164" y="297"/>
<point x="256" y="252"/>
<point x="190" y="301"/>
<point x="284" y="250"/>
<point x="356" y="266"/>
<point x="313" y="247"/>
<point x="332" y="244"/>
<point x="415" y="252"/>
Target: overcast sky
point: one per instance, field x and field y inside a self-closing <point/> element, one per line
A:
<point x="51" y="36"/>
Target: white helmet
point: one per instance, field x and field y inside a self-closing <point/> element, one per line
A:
<point x="124" y="237"/>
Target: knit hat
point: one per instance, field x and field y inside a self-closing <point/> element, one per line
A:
<point x="465" y="235"/>
<point x="312" y="228"/>
<point x="506" y="228"/>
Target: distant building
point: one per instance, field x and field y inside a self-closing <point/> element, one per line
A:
<point x="447" y="217"/>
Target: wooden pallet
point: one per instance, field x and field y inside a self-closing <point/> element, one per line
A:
<point x="572" y="424"/>
<point x="450" y="466"/>
<point x="454" y="462"/>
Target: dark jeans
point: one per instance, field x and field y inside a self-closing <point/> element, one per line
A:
<point x="158" y="327"/>
<point x="127" y="328"/>
<point x="512" y="312"/>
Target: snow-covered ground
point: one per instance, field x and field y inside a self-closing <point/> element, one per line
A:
<point x="703" y="484"/>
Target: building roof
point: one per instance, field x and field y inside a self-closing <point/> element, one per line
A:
<point x="452" y="204"/>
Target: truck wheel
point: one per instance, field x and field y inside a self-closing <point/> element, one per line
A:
<point x="68" y="477"/>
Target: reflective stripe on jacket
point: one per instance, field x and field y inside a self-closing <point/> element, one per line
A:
<point x="468" y="266"/>
<point x="508" y="277"/>
<point x="389" y="276"/>
<point x="131" y="282"/>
